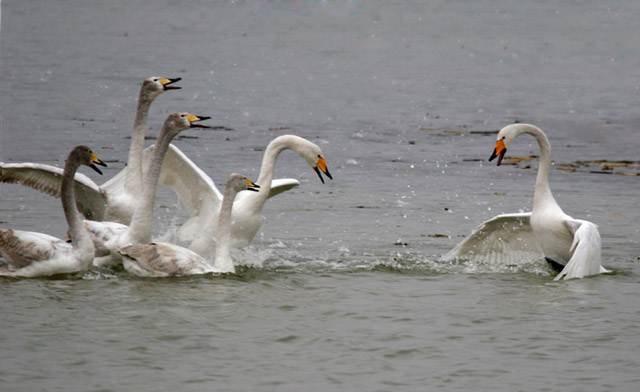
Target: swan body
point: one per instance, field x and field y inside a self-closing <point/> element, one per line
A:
<point x="116" y="199"/>
<point x="32" y="254"/>
<point x="163" y="260"/>
<point x="109" y="236"/>
<point x="166" y="259"/>
<point x="203" y="199"/>
<point x="572" y="244"/>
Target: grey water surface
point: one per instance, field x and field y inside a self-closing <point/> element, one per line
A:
<point x="341" y="290"/>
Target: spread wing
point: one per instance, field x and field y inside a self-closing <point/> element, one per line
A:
<point x="90" y="198"/>
<point x="282" y="185"/>
<point x="117" y="184"/>
<point x="586" y="251"/>
<point x="196" y="190"/>
<point x="505" y="239"/>
<point x="192" y="185"/>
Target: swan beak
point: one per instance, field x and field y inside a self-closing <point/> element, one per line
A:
<point x="251" y="186"/>
<point x="321" y="165"/>
<point x="193" y="119"/>
<point x="94" y="159"/>
<point x="499" y="151"/>
<point x="167" y="83"/>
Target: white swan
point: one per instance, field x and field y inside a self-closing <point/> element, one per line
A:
<point x="203" y="200"/>
<point x="572" y="245"/>
<point x="31" y="254"/>
<point x="108" y="236"/>
<point x="116" y="199"/>
<point x="166" y="259"/>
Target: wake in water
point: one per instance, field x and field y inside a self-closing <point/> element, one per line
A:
<point x="282" y="258"/>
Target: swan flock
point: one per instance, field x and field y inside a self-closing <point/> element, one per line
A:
<point x="118" y="214"/>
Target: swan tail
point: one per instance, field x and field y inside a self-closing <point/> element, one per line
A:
<point x="586" y="252"/>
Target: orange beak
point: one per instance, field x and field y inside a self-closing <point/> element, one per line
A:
<point x="498" y="151"/>
<point x="321" y="166"/>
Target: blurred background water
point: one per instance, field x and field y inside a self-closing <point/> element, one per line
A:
<point x="342" y="288"/>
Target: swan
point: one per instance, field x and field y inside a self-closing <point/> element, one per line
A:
<point x="166" y="259"/>
<point x="114" y="200"/>
<point x="570" y="245"/>
<point x="203" y="200"/>
<point x="108" y="236"/>
<point x="31" y="254"/>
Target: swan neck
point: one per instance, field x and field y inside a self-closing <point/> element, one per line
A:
<point x="267" y="169"/>
<point x="77" y="233"/>
<point x="139" y="132"/>
<point x="142" y="220"/>
<point x="542" y="196"/>
<point x="223" y="262"/>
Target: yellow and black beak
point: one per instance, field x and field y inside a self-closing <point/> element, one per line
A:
<point x="499" y="151"/>
<point x="167" y="83"/>
<point x="321" y="165"/>
<point x="251" y="186"/>
<point x="193" y="119"/>
<point x="94" y="159"/>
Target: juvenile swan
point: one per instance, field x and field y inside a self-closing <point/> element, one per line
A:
<point x="116" y="199"/>
<point x="165" y="259"/>
<point x="570" y="245"/>
<point x="203" y="200"/>
<point x="31" y="254"/>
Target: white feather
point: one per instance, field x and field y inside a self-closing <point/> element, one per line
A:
<point x="504" y="239"/>
<point x="202" y="198"/>
<point x="116" y="199"/>
<point x="545" y="232"/>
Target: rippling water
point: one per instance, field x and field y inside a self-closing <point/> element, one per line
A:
<point x="342" y="288"/>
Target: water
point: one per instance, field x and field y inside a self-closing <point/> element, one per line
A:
<point x="341" y="289"/>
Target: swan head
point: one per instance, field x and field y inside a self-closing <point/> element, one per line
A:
<point x="313" y="155"/>
<point x="155" y="85"/>
<point x="506" y="136"/>
<point x="321" y="167"/>
<point x="179" y="121"/>
<point x="238" y="183"/>
<point x="84" y="156"/>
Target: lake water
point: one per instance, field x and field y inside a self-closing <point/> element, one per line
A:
<point x="341" y="290"/>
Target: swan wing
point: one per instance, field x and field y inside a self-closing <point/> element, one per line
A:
<point x="282" y="185"/>
<point x="586" y="251"/>
<point x="197" y="190"/>
<point x="504" y="239"/>
<point x="90" y="198"/>
<point x="117" y="184"/>
<point x="192" y="185"/>
<point x="23" y="248"/>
